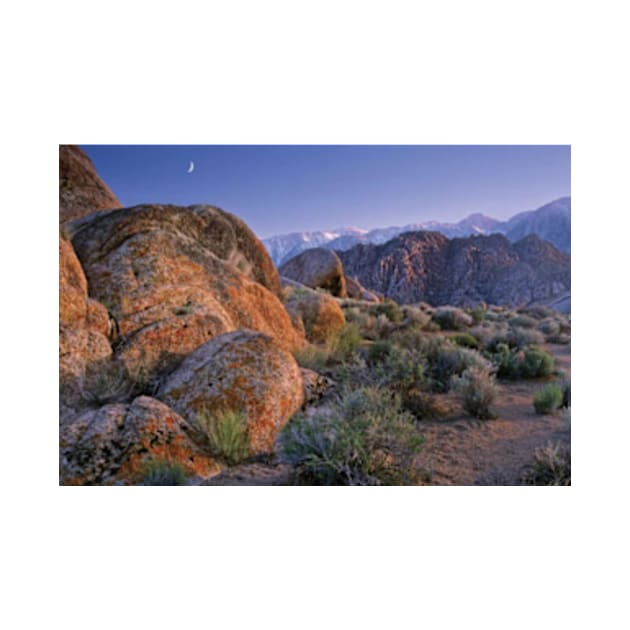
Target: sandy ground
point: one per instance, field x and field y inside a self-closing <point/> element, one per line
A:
<point x="460" y="450"/>
<point x="463" y="451"/>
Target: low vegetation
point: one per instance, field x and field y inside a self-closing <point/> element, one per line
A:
<point x="364" y="438"/>
<point x="162" y="472"/>
<point x="477" y="390"/>
<point x="551" y="466"/>
<point x="452" y="318"/>
<point x="226" y="432"/>
<point x="549" y="398"/>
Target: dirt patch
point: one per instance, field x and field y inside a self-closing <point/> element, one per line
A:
<point x="462" y="451"/>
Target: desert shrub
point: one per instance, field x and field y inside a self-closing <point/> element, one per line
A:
<point x="507" y="361"/>
<point x="551" y="467"/>
<point x="345" y="343"/>
<point x="416" y="316"/>
<point x="523" y="337"/>
<point x="539" y="311"/>
<point x="536" y="362"/>
<point x="452" y="318"/>
<point x="515" y="364"/>
<point x="423" y="404"/>
<point x="466" y="340"/>
<point x="226" y="431"/>
<point x="446" y="360"/>
<point x="516" y="337"/>
<point x="376" y="327"/>
<point x="549" y="327"/>
<point x="108" y="382"/>
<point x="312" y="356"/>
<point x="390" y="309"/>
<point x="483" y="334"/>
<point x="160" y="472"/>
<point x="477" y="390"/>
<point x="548" y="399"/>
<point x="363" y="439"/>
<point x="402" y="369"/>
<point x="378" y="352"/>
<point x="523" y="321"/>
<point x="478" y="314"/>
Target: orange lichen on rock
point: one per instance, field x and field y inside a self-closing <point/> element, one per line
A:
<point x="114" y="443"/>
<point x="242" y="371"/>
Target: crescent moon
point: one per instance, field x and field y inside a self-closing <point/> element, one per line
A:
<point x="191" y="167"/>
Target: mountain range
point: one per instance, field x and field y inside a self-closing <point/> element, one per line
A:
<point x="426" y="266"/>
<point x="551" y="222"/>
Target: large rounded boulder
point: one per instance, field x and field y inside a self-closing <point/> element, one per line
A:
<point x="317" y="313"/>
<point x="174" y="278"/>
<point x="115" y="443"/>
<point x="81" y="190"/>
<point x="317" y="268"/>
<point x="243" y="371"/>
<point x="83" y="331"/>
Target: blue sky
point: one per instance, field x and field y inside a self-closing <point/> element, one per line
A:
<point x="278" y="189"/>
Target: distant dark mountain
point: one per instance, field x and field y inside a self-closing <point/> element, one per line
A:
<point x="427" y="266"/>
<point x="551" y="222"/>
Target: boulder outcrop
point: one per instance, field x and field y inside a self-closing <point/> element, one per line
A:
<point x="317" y="268"/>
<point x="317" y="313"/>
<point x="114" y="443"/>
<point x="81" y="190"/>
<point x="176" y="277"/>
<point x="242" y="371"/>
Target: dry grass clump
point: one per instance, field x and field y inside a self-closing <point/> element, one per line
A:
<point x="107" y="383"/>
<point x="551" y="466"/>
<point x="161" y="472"/>
<point x="477" y="389"/>
<point x="226" y="431"/>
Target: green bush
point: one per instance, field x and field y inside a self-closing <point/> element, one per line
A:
<point x="516" y="337"/>
<point x="446" y="360"/>
<point x="403" y="369"/>
<point x="466" y="340"/>
<point x="379" y="352"/>
<point x="452" y="318"/>
<point x="226" y="431"/>
<point x="390" y="309"/>
<point x="363" y="439"/>
<point x="536" y="363"/>
<point x="478" y="314"/>
<point x="160" y="472"/>
<point x="548" y="399"/>
<point x="551" y="467"/>
<point x="515" y="364"/>
<point x="507" y="361"/>
<point x="345" y="343"/>
<point x="477" y="390"/>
